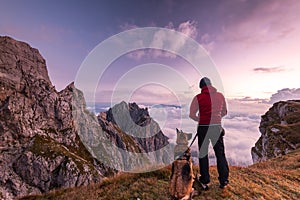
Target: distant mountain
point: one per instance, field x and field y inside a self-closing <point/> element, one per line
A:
<point x="280" y="131"/>
<point x="49" y="140"/>
<point x="166" y="106"/>
<point x="97" y="107"/>
<point x="276" y="178"/>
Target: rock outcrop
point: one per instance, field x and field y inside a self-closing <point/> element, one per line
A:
<point x="136" y="121"/>
<point x="139" y="141"/>
<point x="48" y="139"/>
<point x="40" y="149"/>
<point x="280" y="131"/>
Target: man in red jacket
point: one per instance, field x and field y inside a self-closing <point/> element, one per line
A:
<point x="208" y="108"/>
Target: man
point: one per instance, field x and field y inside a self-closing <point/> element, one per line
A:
<point x="208" y="108"/>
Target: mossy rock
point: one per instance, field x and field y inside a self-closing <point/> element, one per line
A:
<point x="48" y="148"/>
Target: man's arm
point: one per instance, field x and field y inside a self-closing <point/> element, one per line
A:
<point x="194" y="108"/>
<point x="224" y="108"/>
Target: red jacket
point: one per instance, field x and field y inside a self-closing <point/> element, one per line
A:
<point x="211" y="106"/>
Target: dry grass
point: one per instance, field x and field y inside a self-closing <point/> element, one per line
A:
<point x="278" y="178"/>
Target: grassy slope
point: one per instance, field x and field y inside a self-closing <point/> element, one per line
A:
<point x="277" y="178"/>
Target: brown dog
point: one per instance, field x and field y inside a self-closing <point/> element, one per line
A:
<point x="182" y="178"/>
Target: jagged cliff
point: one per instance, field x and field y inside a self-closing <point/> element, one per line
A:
<point x="40" y="149"/>
<point x="280" y="131"/>
<point x="145" y="133"/>
<point x="48" y="139"/>
<point x="137" y="136"/>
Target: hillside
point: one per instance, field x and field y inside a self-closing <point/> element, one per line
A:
<point x="277" y="178"/>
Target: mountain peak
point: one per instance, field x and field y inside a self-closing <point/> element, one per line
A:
<point x="135" y="121"/>
<point x="19" y="61"/>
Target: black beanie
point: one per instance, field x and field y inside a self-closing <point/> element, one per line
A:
<point x="204" y="82"/>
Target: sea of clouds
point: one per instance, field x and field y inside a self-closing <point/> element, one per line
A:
<point x="241" y="123"/>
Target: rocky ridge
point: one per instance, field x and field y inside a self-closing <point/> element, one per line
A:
<point x="280" y="131"/>
<point x="143" y="129"/>
<point x="48" y="139"/>
<point x="137" y="137"/>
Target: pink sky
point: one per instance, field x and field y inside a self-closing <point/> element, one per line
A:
<point x="239" y="35"/>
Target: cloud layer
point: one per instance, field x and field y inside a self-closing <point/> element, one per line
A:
<point x="285" y="94"/>
<point x="241" y="123"/>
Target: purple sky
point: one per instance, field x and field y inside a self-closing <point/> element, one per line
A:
<point x="254" y="44"/>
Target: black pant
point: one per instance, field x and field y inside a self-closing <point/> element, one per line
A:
<point x="212" y="133"/>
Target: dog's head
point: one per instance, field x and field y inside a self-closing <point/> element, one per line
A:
<point x="182" y="137"/>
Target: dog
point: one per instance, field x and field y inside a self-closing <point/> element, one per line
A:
<point x="182" y="177"/>
<point x="182" y="142"/>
